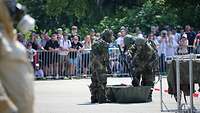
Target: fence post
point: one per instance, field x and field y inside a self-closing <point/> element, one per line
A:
<point x="178" y="84"/>
<point x="191" y="83"/>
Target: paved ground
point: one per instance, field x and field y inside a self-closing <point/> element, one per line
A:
<point x="73" y="96"/>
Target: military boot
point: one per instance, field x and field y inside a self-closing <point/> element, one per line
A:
<point x="94" y="99"/>
<point x="149" y="99"/>
<point x="102" y="97"/>
<point x="135" y="82"/>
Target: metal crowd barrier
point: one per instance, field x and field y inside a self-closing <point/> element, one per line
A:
<point x="60" y="64"/>
<point x="117" y="65"/>
<point x="189" y="107"/>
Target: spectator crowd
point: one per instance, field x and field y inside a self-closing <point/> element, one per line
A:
<point x="64" y="53"/>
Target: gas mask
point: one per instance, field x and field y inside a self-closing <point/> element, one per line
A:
<point x="22" y="21"/>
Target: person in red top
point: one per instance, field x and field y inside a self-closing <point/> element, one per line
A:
<point x="196" y="43"/>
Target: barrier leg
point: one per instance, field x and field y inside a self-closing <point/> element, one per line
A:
<point x="191" y="83"/>
<point x="178" y="85"/>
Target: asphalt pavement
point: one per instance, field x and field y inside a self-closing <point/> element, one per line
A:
<point x="73" y="96"/>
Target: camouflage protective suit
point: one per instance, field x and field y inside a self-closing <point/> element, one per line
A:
<point x="99" y="67"/>
<point x="143" y="60"/>
<point x="16" y="78"/>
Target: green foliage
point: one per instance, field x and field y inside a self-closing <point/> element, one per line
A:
<point x="152" y="12"/>
<point x="187" y="11"/>
<point x="111" y="23"/>
<point x="71" y="7"/>
<point x="101" y="14"/>
<point x="155" y="12"/>
<point x="27" y="35"/>
<point x="55" y="7"/>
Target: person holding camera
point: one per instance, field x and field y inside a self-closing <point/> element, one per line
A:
<point x="162" y="49"/>
<point x="183" y="45"/>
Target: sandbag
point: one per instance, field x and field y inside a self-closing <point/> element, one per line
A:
<point x="128" y="94"/>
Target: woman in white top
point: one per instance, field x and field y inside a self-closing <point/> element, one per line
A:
<point x="162" y="43"/>
<point x="171" y="45"/>
<point x="183" y="45"/>
<point x="162" y="50"/>
<point x="65" y="44"/>
<point x="87" y="45"/>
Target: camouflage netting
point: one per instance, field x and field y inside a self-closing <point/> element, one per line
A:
<point x="128" y="94"/>
<point x="184" y="76"/>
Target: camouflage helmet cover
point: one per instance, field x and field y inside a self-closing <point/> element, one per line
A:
<point x="129" y="40"/>
<point x="107" y="35"/>
<point x="140" y="41"/>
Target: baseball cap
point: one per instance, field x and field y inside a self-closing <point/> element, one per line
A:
<point x="59" y="29"/>
<point x="122" y="28"/>
<point x="74" y="27"/>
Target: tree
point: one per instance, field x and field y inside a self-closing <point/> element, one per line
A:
<point x="188" y="11"/>
<point x="99" y="14"/>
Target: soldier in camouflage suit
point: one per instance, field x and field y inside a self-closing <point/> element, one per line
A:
<point x="144" y="60"/>
<point x="100" y="65"/>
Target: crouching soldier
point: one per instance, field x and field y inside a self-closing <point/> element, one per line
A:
<point x="144" y="59"/>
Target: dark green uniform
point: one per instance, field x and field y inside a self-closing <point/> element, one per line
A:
<point x="144" y="61"/>
<point x="99" y="67"/>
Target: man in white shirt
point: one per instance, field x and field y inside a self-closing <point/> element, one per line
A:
<point x="120" y="40"/>
<point x="65" y="44"/>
